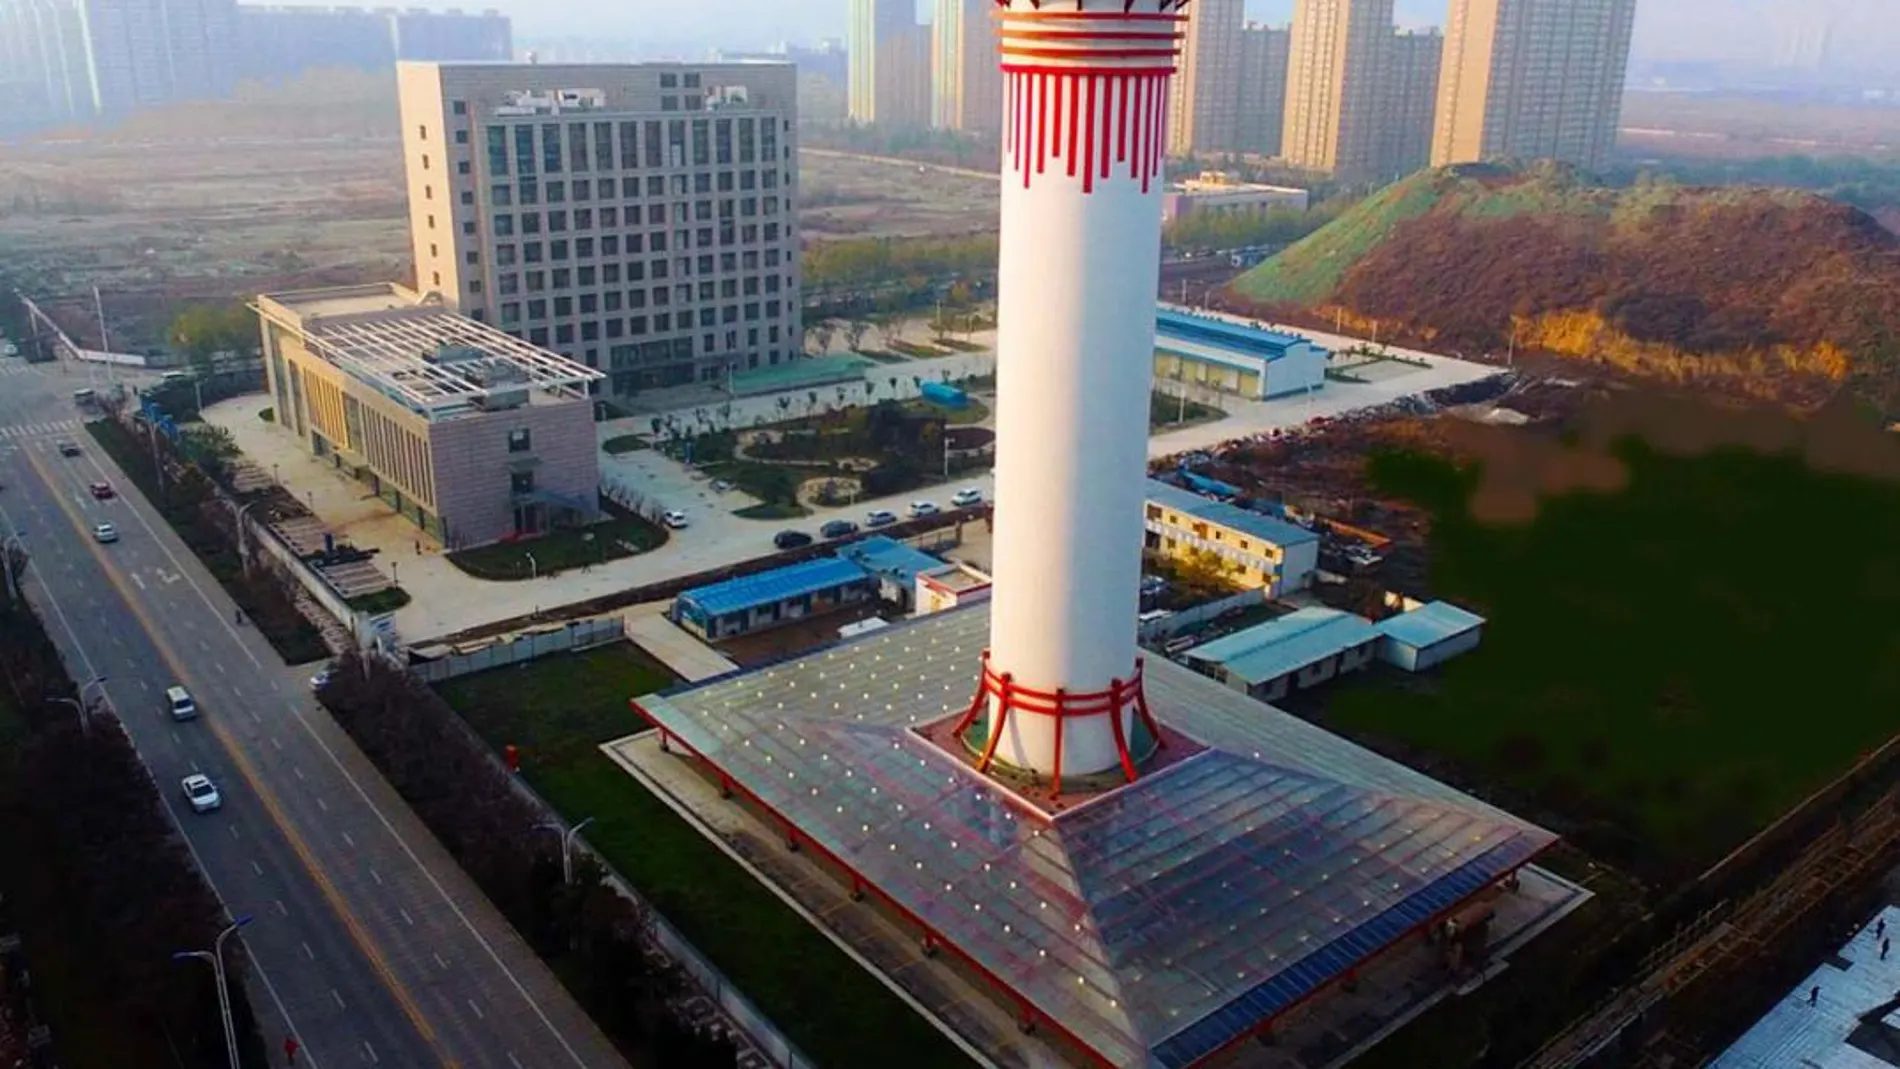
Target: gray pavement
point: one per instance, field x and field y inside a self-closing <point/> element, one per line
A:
<point x="368" y="942"/>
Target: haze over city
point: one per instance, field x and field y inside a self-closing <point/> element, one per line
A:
<point x="1074" y="534"/>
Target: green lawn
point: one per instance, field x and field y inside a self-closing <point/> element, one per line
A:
<point x="557" y="710"/>
<point x="620" y="535"/>
<point x="625" y="443"/>
<point x="772" y="510"/>
<point x="1675" y="664"/>
<point x="972" y="413"/>
<point x="388" y="600"/>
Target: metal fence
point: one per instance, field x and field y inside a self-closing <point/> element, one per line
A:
<point x="573" y="635"/>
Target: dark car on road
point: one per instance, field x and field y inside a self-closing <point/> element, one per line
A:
<point x="68" y="449"/>
<point x="838" y="529"/>
<point x="102" y="491"/>
<point x="791" y="539"/>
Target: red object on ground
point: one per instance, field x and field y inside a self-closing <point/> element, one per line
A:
<point x="290" y="1050"/>
<point x="512" y="756"/>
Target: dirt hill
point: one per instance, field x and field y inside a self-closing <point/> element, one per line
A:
<point x="1767" y="293"/>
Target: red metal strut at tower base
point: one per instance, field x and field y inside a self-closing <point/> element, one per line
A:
<point x="1085" y="135"/>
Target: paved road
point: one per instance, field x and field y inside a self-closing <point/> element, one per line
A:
<point x="369" y="943"/>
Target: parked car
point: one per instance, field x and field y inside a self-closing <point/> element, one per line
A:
<point x="838" y="529"/>
<point x="919" y="509"/>
<point x="202" y="793"/>
<point x="105" y="532"/>
<point x="179" y="701"/>
<point x="101" y="490"/>
<point x="880" y="518"/>
<point x="68" y="449"/>
<point x="967" y="497"/>
<point x="675" y="519"/>
<point x="322" y="678"/>
<point x="791" y="539"/>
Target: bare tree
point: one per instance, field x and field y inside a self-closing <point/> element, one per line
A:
<point x="854" y="331"/>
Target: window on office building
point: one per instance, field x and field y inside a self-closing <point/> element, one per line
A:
<point x="519" y="440"/>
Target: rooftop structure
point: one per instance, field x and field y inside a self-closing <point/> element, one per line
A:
<point x="781" y="595"/>
<point x="1233" y="517"/>
<point x="895" y="564"/>
<point x="1216" y="192"/>
<point x="421" y="354"/>
<point x="1842" y="1016"/>
<point x="1154" y="923"/>
<point x="1430" y="624"/>
<point x="1248" y="362"/>
<point x="470" y="433"/>
<point x="1255" y="549"/>
<point x="1270" y="651"/>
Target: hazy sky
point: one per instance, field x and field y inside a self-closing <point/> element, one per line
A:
<point x="1666" y="29"/>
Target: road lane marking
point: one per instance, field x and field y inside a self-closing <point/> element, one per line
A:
<point x="232" y="828"/>
<point x="282" y="910"/>
<point x="309" y="953"/>
<point x="468" y="925"/>
<point x="275" y="811"/>
<point x="374" y="875"/>
<point x="479" y="1015"/>
<point x="347" y="839"/>
<point x="438" y="959"/>
<point x="219" y="665"/>
<point x="321" y="804"/>
<point x="514" y="1061"/>
<point x="298" y="772"/>
<point x="136" y="578"/>
<point x="371" y="1051"/>
<point x="406" y="918"/>
<point x="257" y="868"/>
<point x="255" y="719"/>
<point x="338" y="997"/>
<point x="279" y="745"/>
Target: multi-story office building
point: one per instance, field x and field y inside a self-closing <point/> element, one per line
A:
<point x="641" y="218"/>
<point x="470" y="434"/>
<point x="1532" y="79"/>
<point x="966" y="82"/>
<point x="1411" y="88"/>
<point x="890" y="64"/>
<point x="1204" y="99"/>
<point x="1334" y="98"/>
<point x="281" y="43"/>
<point x="1262" y="109"/>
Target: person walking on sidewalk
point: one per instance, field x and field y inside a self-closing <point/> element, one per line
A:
<point x="291" y="1048"/>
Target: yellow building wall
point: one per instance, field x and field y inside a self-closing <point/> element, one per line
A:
<point x="390" y="439"/>
<point x="1178" y="528"/>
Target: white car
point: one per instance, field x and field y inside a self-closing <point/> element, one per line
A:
<point x="105" y="532"/>
<point x="923" y="508"/>
<point x="880" y="518"/>
<point x="967" y="497"/>
<point x="202" y="793"/>
<point x="674" y="518"/>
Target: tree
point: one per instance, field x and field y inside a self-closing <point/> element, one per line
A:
<point x="854" y="331"/>
<point x="826" y="330"/>
<point x="202" y="331"/>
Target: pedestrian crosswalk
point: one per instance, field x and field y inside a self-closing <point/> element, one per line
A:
<point x="49" y="429"/>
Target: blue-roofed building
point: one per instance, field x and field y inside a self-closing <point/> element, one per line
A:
<point x="1232" y="358"/>
<point x="894" y="564"/>
<point x="1257" y="550"/>
<point x="1302" y="649"/>
<point x="770" y="599"/>
<point x="1428" y="635"/>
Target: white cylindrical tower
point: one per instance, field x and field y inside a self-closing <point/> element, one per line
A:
<point x="1085" y="129"/>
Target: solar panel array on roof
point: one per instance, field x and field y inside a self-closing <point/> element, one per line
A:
<point x="770" y="588"/>
<point x="1156" y="923"/>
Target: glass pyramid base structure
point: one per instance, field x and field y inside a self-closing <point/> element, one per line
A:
<point x="1153" y="923"/>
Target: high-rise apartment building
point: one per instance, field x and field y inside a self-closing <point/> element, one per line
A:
<point x="890" y="64"/>
<point x="1532" y="79"/>
<point x="641" y="219"/>
<point x="1335" y="102"/>
<point x="1204" y="101"/>
<point x="1411" y="89"/>
<point x="45" y="70"/>
<point x="966" y="83"/>
<point x="1262" y="109"/>
<point x="281" y="43"/>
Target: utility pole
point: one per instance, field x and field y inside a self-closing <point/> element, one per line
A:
<point x="7" y="547"/>
<point x="567" y="846"/>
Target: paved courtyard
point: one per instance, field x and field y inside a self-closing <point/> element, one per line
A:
<point x="446" y="600"/>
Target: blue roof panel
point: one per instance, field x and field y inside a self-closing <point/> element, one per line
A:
<point x="884" y="555"/>
<point x="1221" y="334"/>
<point x="1246" y="521"/>
<point x="1429" y="624"/>
<point x="770" y="588"/>
<point x="1292" y="642"/>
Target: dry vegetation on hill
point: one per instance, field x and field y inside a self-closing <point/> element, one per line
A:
<point x="1767" y="293"/>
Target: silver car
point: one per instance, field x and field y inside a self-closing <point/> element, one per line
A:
<point x="202" y="793"/>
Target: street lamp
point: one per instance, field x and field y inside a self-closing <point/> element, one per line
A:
<point x="237" y="513"/>
<point x="216" y="957"/>
<point x="6" y="563"/>
<point x="567" y="845"/>
<point x="80" y="705"/>
<point x="534" y="569"/>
